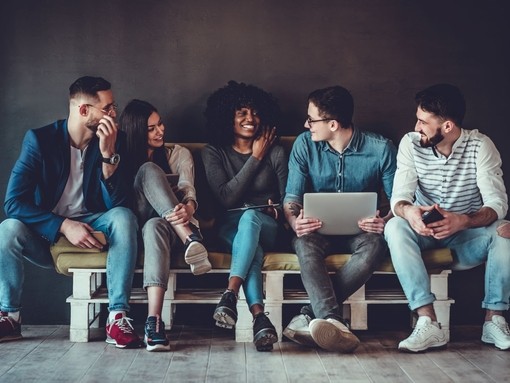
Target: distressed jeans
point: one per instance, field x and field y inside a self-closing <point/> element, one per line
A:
<point x="326" y="295"/>
<point x="470" y="247"/>
<point x="18" y="241"/>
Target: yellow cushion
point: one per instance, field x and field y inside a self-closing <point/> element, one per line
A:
<point x="66" y="255"/>
<point x="435" y="261"/>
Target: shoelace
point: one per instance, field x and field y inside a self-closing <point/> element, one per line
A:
<point x="154" y="326"/>
<point x="124" y="325"/>
<point x="262" y="315"/>
<point x="504" y="328"/>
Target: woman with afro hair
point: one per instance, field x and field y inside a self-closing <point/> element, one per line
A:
<point x="245" y="168"/>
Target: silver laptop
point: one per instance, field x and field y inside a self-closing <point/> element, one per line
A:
<point x="340" y="212"/>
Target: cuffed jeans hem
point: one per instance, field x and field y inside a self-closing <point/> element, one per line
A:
<point x="154" y="284"/>
<point x="424" y="302"/>
<point x="495" y="307"/>
<point x="118" y="307"/>
<point x="238" y="276"/>
<point x="9" y="309"/>
<point x="256" y="303"/>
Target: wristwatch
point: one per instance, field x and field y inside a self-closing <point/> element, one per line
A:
<point x="113" y="160"/>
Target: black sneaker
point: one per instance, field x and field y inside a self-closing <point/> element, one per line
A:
<point x="225" y="313"/>
<point x="195" y="255"/>
<point x="155" y="336"/>
<point x="9" y="328"/>
<point x="264" y="333"/>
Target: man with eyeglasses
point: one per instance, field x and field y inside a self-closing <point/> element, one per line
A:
<point x="334" y="156"/>
<point x="69" y="180"/>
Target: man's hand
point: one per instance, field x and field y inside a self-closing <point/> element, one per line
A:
<point x="181" y="214"/>
<point x="413" y="215"/>
<point x="263" y="142"/>
<point x="504" y="229"/>
<point x="107" y="134"/>
<point x="372" y="224"/>
<point x="449" y="225"/>
<point x="79" y="234"/>
<point x="303" y="226"/>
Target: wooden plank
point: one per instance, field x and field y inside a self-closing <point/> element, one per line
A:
<point x="343" y="367"/>
<point x="264" y="366"/>
<point x="302" y="364"/>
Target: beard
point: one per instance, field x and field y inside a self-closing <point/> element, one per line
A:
<point x="432" y="141"/>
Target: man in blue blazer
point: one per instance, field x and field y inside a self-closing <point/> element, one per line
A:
<point x="69" y="180"/>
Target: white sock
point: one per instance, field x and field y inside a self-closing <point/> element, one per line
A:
<point x="14" y="315"/>
<point x="113" y="314"/>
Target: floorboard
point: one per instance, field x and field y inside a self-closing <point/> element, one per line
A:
<point x="209" y="354"/>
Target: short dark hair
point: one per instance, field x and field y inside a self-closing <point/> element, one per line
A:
<point x="224" y="102"/>
<point x="334" y="102"/>
<point x="443" y="100"/>
<point x="89" y="86"/>
<point x="133" y="121"/>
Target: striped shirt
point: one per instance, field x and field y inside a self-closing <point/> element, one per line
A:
<point x="464" y="182"/>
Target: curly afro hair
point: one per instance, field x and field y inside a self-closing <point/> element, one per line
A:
<point x="223" y="103"/>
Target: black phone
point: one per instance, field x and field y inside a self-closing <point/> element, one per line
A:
<point x="431" y="216"/>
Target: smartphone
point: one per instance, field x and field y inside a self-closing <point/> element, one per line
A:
<point x="99" y="235"/>
<point x="254" y="207"/>
<point x="431" y="216"/>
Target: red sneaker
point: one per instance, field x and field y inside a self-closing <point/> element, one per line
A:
<point x="121" y="333"/>
<point x="9" y="328"/>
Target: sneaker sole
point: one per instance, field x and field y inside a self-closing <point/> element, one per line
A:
<point x="134" y="344"/>
<point x="492" y="342"/>
<point x="11" y="338"/>
<point x="201" y="267"/>
<point x="156" y="347"/>
<point x="423" y="349"/>
<point x="265" y="339"/>
<point x="302" y="338"/>
<point x="330" y="338"/>
<point x="224" y="318"/>
<point x="196" y="252"/>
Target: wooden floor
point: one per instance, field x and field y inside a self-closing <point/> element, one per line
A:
<point x="201" y="354"/>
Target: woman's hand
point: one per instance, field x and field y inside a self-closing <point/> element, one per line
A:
<point x="271" y="211"/>
<point x="181" y="214"/>
<point x="263" y="142"/>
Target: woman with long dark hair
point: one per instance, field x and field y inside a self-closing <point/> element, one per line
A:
<point x="245" y="168"/>
<point x="164" y="211"/>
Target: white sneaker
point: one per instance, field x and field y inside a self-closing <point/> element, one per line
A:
<point x="298" y="331"/>
<point x="496" y="332"/>
<point x="196" y="256"/>
<point x="332" y="335"/>
<point x="426" y="334"/>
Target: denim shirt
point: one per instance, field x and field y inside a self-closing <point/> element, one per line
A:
<point x="366" y="165"/>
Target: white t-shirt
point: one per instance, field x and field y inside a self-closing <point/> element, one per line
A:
<point x="71" y="203"/>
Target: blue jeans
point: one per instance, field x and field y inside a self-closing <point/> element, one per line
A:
<point x="367" y="249"/>
<point x="18" y="241"/>
<point x="246" y="234"/>
<point x="470" y="247"/>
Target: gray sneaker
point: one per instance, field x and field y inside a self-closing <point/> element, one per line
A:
<point x="332" y="335"/>
<point x="298" y="331"/>
<point x="496" y="332"/>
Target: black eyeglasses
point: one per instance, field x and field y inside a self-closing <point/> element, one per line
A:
<point x="310" y="121"/>
<point x="107" y="109"/>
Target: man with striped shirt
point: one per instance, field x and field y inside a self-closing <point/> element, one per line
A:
<point x="456" y="172"/>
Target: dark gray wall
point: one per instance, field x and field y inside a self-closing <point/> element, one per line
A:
<point x="174" y="53"/>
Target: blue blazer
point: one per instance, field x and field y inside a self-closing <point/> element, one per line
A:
<point x="40" y="175"/>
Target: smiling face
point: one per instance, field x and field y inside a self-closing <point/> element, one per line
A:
<point x="246" y="122"/>
<point x="319" y="127"/>
<point x="430" y="128"/>
<point x="96" y="109"/>
<point x="155" y="131"/>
